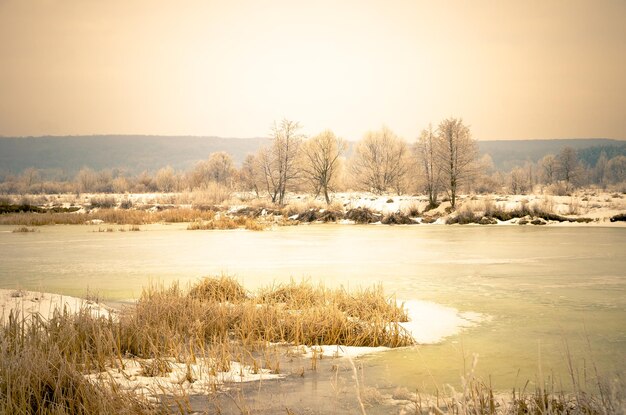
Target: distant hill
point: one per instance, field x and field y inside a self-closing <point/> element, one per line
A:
<point x="129" y="152"/>
<point x="134" y="154"/>
<point x="507" y="154"/>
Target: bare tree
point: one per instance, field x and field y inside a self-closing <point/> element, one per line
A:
<point x="120" y="184"/>
<point x="86" y="180"/>
<point x="278" y="162"/>
<point x="456" y="154"/>
<point x="144" y="182"/>
<point x="425" y="152"/>
<point x="165" y="179"/>
<point x="600" y="169"/>
<point x="519" y="181"/>
<point x="31" y="177"/>
<point x="322" y="155"/>
<point x="220" y="168"/>
<point x="616" y="169"/>
<point x="250" y="177"/>
<point x="380" y="162"/>
<point x="568" y="165"/>
<point x="548" y="168"/>
<point x="199" y="175"/>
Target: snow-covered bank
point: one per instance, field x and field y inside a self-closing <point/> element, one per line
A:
<point x="591" y="206"/>
<point x="27" y="303"/>
<point x="177" y="378"/>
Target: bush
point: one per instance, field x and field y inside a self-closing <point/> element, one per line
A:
<point x="463" y="217"/>
<point x="126" y="204"/>
<point x="619" y="218"/>
<point x="362" y="215"/>
<point x="104" y="202"/>
<point x="210" y="195"/>
<point x="558" y="189"/>
<point x="397" y="218"/>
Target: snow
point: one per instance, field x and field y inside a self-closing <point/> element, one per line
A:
<point x="197" y="377"/>
<point x="431" y="323"/>
<point x="27" y="303"/>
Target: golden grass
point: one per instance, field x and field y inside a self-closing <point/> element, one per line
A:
<point x="292" y="313"/>
<point x="43" y="365"/>
<point x="112" y="216"/>
<point x="221" y="289"/>
<point x="225" y="222"/>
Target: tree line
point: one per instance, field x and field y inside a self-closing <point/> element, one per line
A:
<point x="443" y="162"/>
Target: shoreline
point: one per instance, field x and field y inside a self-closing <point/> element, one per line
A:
<point x="126" y="212"/>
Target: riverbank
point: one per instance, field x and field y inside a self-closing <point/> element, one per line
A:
<point x="245" y="211"/>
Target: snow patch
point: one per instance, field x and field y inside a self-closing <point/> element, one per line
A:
<point x="198" y="377"/>
<point x="431" y="323"/>
<point x="28" y="303"/>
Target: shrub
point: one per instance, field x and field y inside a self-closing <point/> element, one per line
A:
<point x="104" y="202"/>
<point x="362" y="215"/>
<point x="126" y="204"/>
<point x="463" y="217"/>
<point x="621" y="217"/>
<point x="412" y="210"/>
<point x="397" y="218"/>
<point x="23" y="229"/>
<point x="558" y="189"/>
<point x="210" y="195"/>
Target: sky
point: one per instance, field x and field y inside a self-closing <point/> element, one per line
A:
<point x="511" y="69"/>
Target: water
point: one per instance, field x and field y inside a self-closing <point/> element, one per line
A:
<point x="546" y="293"/>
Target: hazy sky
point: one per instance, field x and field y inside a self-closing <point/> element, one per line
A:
<point x="517" y="69"/>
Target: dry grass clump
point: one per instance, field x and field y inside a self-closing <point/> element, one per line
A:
<point x="537" y="212"/>
<point x="113" y="216"/>
<point x="320" y="215"/>
<point x="397" y="218"/>
<point x="105" y="202"/>
<point x="463" y="216"/>
<point x="412" y="210"/>
<point x="361" y="314"/>
<point x="39" y="219"/>
<point x="210" y="195"/>
<point x="362" y="215"/>
<point x="221" y="289"/>
<point x="293" y="313"/>
<point x="225" y="222"/>
<point x="43" y="365"/>
<point x="23" y="229"/>
<point x="181" y="215"/>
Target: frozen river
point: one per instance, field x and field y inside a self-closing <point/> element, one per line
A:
<point x="533" y="293"/>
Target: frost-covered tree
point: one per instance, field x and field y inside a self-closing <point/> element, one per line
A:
<point x="250" y="178"/>
<point x="425" y="153"/>
<point x="568" y="165"/>
<point x="165" y="179"/>
<point x="456" y="153"/>
<point x="322" y="161"/>
<point x="220" y="167"/>
<point x="616" y="169"/>
<point x="278" y="162"/>
<point x="380" y="162"/>
<point x="86" y="180"/>
<point x="548" y="168"/>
